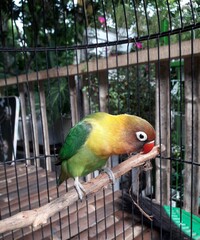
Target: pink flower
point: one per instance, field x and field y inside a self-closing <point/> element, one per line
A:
<point x="102" y="20"/>
<point x="138" y="45"/>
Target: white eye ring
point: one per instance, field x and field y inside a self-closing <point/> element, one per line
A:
<point x="141" y="136"/>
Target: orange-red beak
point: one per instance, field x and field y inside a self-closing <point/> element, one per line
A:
<point x="148" y="146"/>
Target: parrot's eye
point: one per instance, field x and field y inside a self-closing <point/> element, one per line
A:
<point x="141" y="136"/>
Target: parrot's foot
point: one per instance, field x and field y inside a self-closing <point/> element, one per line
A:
<point x="79" y="188"/>
<point x="110" y="174"/>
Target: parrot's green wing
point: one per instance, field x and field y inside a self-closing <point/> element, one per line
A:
<point x="74" y="140"/>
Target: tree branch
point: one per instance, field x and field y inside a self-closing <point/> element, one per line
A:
<point x="40" y="215"/>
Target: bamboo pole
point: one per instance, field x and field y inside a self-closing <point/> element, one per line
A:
<point x="103" y="90"/>
<point x="86" y="103"/>
<point x="34" y="125"/>
<point x="24" y="124"/>
<point x="45" y="126"/>
<point x="163" y="132"/>
<point x="192" y="131"/>
<point x="40" y="216"/>
<point x="73" y="100"/>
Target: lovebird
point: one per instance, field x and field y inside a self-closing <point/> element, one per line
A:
<point x="98" y="136"/>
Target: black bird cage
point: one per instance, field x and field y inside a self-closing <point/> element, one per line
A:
<point x="64" y="59"/>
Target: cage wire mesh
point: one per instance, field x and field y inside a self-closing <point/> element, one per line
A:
<point x="62" y="60"/>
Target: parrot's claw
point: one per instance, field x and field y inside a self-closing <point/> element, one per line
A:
<point x="110" y="174"/>
<point x="79" y="188"/>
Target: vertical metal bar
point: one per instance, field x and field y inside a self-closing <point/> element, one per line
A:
<point x="105" y="214"/>
<point x="96" y="218"/>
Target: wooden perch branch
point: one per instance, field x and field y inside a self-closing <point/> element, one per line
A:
<point x="39" y="216"/>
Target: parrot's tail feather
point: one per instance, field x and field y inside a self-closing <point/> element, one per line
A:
<point x="63" y="176"/>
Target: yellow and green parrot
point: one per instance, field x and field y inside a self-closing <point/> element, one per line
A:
<point x="93" y="140"/>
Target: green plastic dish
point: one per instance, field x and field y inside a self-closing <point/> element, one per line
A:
<point x="183" y="220"/>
